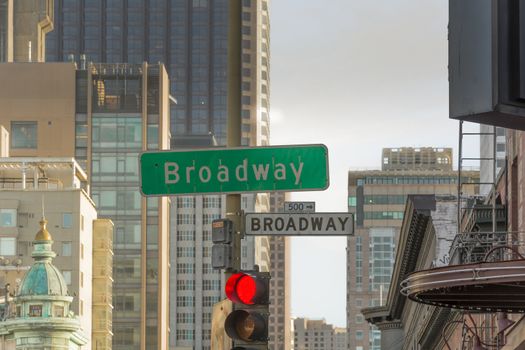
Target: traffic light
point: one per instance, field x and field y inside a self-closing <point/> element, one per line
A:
<point x="247" y="324"/>
<point x="222" y="237"/>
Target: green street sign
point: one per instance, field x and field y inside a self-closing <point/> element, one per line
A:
<point x="234" y="170"/>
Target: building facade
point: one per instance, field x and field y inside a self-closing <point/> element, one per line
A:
<point x="23" y="28"/>
<point x="190" y="39"/>
<point x="377" y="199"/>
<point x="429" y="226"/>
<point x="317" y="334"/>
<point x="104" y="115"/>
<point x="28" y="184"/>
<point x="40" y="316"/>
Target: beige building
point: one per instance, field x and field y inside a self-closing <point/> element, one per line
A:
<point x="57" y="186"/>
<point x="377" y="198"/>
<point x="317" y="334"/>
<point x="104" y="115"/>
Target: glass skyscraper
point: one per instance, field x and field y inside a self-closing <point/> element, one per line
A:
<point x="190" y="38"/>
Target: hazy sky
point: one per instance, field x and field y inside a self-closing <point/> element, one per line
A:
<point x="356" y="75"/>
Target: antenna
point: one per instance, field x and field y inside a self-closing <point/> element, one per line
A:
<point x="43" y="206"/>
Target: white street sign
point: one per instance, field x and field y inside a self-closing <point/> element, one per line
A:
<point x="299" y="224"/>
<point x="299" y="207"/>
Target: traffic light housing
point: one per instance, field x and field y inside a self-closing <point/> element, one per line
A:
<point x="247" y="324"/>
<point x="222" y="237"/>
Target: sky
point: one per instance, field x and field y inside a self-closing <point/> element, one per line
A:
<point x="357" y="76"/>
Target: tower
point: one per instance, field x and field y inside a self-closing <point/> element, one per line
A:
<point x="41" y="317"/>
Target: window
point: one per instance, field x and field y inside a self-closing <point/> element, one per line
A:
<point x="67" y="276"/>
<point x="67" y="220"/>
<point x="24" y="135"/>
<point x="35" y="310"/>
<point x="58" y="311"/>
<point x="7" y="246"/>
<point x="66" y="248"/>
<point x="7" y="217"/>
<point x="359" y="335"/>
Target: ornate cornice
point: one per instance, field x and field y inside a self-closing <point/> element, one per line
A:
<point x="388" y="325"/>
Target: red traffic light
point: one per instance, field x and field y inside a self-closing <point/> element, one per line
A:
<point x="246" y="289"/>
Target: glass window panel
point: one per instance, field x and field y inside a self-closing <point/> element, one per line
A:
<point x="67" y="220"/>
<point x="108" y="198"/>
<point x="8" y="246"/>
<point x="24" y="135"/>
<point x="66" y="248"/>
<point x="7" y="217"/>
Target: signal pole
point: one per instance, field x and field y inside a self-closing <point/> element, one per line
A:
<point x="233" y="201"/>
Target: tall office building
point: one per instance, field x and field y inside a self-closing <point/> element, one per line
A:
<point x="23" y="28"/>
<point x="377" y="198"/>
<point x="190" y="38"/>
<point x="104" y="115"/>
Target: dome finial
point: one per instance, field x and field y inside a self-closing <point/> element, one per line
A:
<point x="43" y="234"/>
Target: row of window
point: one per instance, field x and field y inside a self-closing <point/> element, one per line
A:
<point x="378" y="199"/>
<point x="408" y="180"/>
<point x="8" y="218"/>
<point x="383" y="215"/>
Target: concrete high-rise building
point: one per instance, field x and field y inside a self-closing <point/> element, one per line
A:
<point x="377" y="198"/>
<point x="317" y="334"/>
<point x="280" y="283"/>
<point x="23" y="26"/>
<point x="104" y="116"/>
<point x="57" y="185"/>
